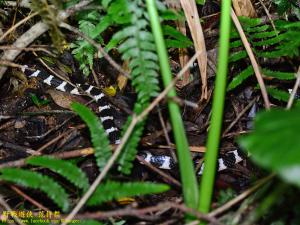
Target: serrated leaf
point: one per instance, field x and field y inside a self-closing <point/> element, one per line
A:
<point x="112" y="190"/>
<point x="98" y="136"/>
<point x="64" y="168"/>
<point x="274" y="144"/>
<point x="35" y="180"/>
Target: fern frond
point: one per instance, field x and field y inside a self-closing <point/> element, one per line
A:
<point x="37" y="181"/>
<point x="98" y="136"/>
<point x="137" y="46"/>
<point x="112" y="190"/>
<point x="130" y="149"/>
<point x="64" y="168"/>
<point x="283" y="42"/>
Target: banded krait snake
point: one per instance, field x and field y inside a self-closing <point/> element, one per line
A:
<point x="105" y="114"/>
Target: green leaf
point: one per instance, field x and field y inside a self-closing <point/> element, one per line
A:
<point x="257" y="29"/>
<point x="98" y="136"/>
<point x="238" y="79"/>
<point x="200" y="2"/>
<point x="236" y="44"/>
<point x="282" y="5"/>
<point x="171" y="32"/>
<point x="278" y="74"/>
<point x="274" y="144"/>
<point x="278" y="94"/>
<point x="64" y="168"/>
<point x="35" y="180"/>
<point x="238" y="56"/>
<point x="267" y="34"/>
<point x="112" y="190"/>
<point x="271" y="41"/>
<point x="38" y="102"/>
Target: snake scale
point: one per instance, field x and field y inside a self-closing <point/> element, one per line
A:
<point x="227" y="160"/>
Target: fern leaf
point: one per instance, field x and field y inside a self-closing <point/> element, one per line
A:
<point x="249" y="22"/>
<point x="258" y="29"/>
<point x="114" y="190"/>
<point x="271" y="41"/>
<point x="175" y="37"/>
<point x="278" y="94"/>
<point x="138" y="48"/>
<point x="267" y="34"/>
<point x="238" y="56"/>
<point x="119" y="12"/>
<point x="283" y="42"/>
<point x="238" y="79"/>
<point x="130" y="149"/>
<point x="98" y="136"/>
<point x="37" y="181"/>
<point x="278" y="74"/>
<point x="236" y="44"/>
<point x="281" y="95"/>
<point x="64" y="168"/>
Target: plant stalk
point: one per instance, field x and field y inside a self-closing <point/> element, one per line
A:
<point x="187" y="173"/>
<point x="211" y="155"/>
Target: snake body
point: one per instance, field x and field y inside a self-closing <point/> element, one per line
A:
<point x="227" y="160"/>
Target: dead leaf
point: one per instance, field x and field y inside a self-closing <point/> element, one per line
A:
<point x="244" y="8"/>
<point x="62" y="99"/>
<point x="122" y="80"/>
<point x="192" y="16"/>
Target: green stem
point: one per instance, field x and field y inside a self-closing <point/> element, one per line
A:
<point x="189" y="182"/>
<point x="207" y="182"/>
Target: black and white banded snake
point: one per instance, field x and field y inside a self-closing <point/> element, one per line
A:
<point x="227" y="160"/>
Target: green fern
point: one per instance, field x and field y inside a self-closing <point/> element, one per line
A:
<point x="112" y="190"/>
<point x="284" y="42"/>
<point x="278" y="74"/>
<point x="285" y="5"/>
<point x="37" y="181"/>
<point x="117" y="16"/>
<point x="281" y="95"/>
<point x="98" y="136"/>
<point x="137" y="46"/>
<point x="130" y="149"/>
<point x="93" y="24"/>
<point x="64" y="168"/>
<point x="238" y="79"/>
